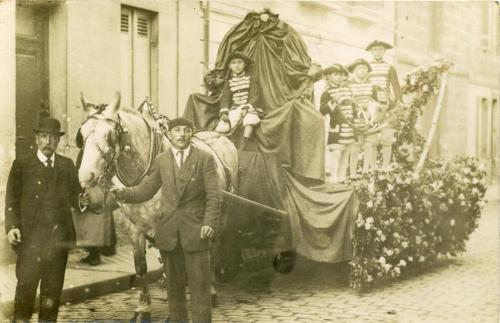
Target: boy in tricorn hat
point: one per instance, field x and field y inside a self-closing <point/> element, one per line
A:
<point x="240" y="96"/>
<point x="336" y="101"/>
<point x="365" y="98"/>
<point x="385" y="76"/>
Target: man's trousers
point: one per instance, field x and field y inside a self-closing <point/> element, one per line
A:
<point x="179" y="263"/>
<point x="33" y="268"/>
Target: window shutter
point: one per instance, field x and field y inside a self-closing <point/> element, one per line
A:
<point x="125" y="18"/>
<point x="142" y="27"/>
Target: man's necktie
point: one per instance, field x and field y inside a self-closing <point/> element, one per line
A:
<point x="49" y="163"/>
<point x="181" y="158"/>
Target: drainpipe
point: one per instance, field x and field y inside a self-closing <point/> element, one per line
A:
<point x="205" y="5"/>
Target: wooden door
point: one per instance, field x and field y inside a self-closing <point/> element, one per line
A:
<point x="31" y="75"/>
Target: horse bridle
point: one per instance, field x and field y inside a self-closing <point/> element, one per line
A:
<point x="110" y="159"/>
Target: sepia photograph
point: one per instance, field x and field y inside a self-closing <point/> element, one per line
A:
<point x="249" y="161"/>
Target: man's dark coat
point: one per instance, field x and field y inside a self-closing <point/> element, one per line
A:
<point x="26" y="187"/>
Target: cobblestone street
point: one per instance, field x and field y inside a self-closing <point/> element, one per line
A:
<point x="462" y="290"/>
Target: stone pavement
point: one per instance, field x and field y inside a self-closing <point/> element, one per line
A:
<point x="461" y="290"/>
<point x="82" y="281"/>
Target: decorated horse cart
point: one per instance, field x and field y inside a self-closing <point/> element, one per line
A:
<point x="385" y="223"/>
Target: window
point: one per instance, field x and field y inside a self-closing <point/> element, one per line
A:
<point x="135" y="26"/>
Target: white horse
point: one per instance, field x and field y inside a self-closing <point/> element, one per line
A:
<point x="120" y="145"/>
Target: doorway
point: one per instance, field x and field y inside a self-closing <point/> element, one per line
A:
<point x="31" y="75"/>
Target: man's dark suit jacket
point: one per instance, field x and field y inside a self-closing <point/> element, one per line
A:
<point x="25" y="191"/>
<point x="185" y="209"/>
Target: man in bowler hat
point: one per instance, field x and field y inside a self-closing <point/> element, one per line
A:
<point x="191" y="199"/>
<point x="41" y="189"/>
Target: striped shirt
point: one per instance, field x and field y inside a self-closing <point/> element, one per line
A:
<point x="240" y="88"/>
<point x="362" y="91"/>
<point x="384" y="75"/>
<point x="340" y="131"/>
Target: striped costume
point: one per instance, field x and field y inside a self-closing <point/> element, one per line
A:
<point x="239" y="96"/>
<point x="340" y="97"/>
<point x="384" y="75"/>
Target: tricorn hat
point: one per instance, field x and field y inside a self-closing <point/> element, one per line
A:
<point x="244" y="57"/>
<point x="180" y="122"/>
<point x="335" y="68"/>
<point x="357" y="62"/>
<point x="378" y="43"/>
<point x="49" y="125"/>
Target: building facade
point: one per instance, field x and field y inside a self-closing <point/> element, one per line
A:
<point x="54" y="49"/>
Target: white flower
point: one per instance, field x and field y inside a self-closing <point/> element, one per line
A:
<point x="382" y="238"/>
<point x="475" y="181"/>
<point x="390" y="187"/>
<point x="410" y="258"/>
<point x="427" y="221"/>
<point x="450" y="201"/>
<point x="462" y="203"/>
<point x="402" y="263"/>
<point x="387" y="267"/>
<point x="391" y="220"/>
<point x="439" y="256"/>
<point x="397" y="270"/>
<point x="389" y="252"/>
<point x="369" y="278"/>
<point x="368" y="226"/>
<point x="461" y="197"/>
<point x="379" y="232"/>
<point x="408" y="206"/>
<point x="452" y="222"/>
<point x="370" y="220"/>
<point x="386" y="222"/>
<point x="425" y="88"/>
<point x="396" y="235"/>
<point x="418" y="240"/>
<point x="369" y="204"/>
<point x="413" y="80"/>
<point x="371" y="187"/>
<point x="475" y="190"/>
<point x="404" y="244"/>
<point x="421" y="259"/>
<point x="264" y="17"/>
<point x="381" y="260"/>
<point x="466" y="170"/>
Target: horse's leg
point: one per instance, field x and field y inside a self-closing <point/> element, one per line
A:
<point x="143" y="311"/>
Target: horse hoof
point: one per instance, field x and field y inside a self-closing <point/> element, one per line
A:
<point x="141" y="317"/>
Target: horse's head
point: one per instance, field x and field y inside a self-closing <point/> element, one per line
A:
<point x="100" y="140"/>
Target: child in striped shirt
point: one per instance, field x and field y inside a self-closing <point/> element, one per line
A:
<point x="336" y="101"/>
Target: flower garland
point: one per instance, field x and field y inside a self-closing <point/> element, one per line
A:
<point x="420" y="85"/>
<point x="405" y="222"/>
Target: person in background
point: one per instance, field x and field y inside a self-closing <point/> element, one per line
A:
<point x="385" y="76"/>
<point x="364" y="94"/>
<point x="41" y="189"/>
<point x="336" y="101"/>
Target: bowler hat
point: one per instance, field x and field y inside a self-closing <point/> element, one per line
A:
<point x="357" y="62"/>
<point x="180" y="122"/>
<point x="244" y="57"/>
<point x="378" y="43"/>
<point x="49" y="125"/>
<point x="335" y="68"/>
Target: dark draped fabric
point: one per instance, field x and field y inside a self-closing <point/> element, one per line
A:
<point x="289" y="143"/>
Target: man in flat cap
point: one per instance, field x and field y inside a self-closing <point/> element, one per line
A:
<point x="336" y="101"/>
<point x="240" y="98"/>
<point x="385" y="76"/>
<point x="41" y="190"/>
<point x="191" y="202"/>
